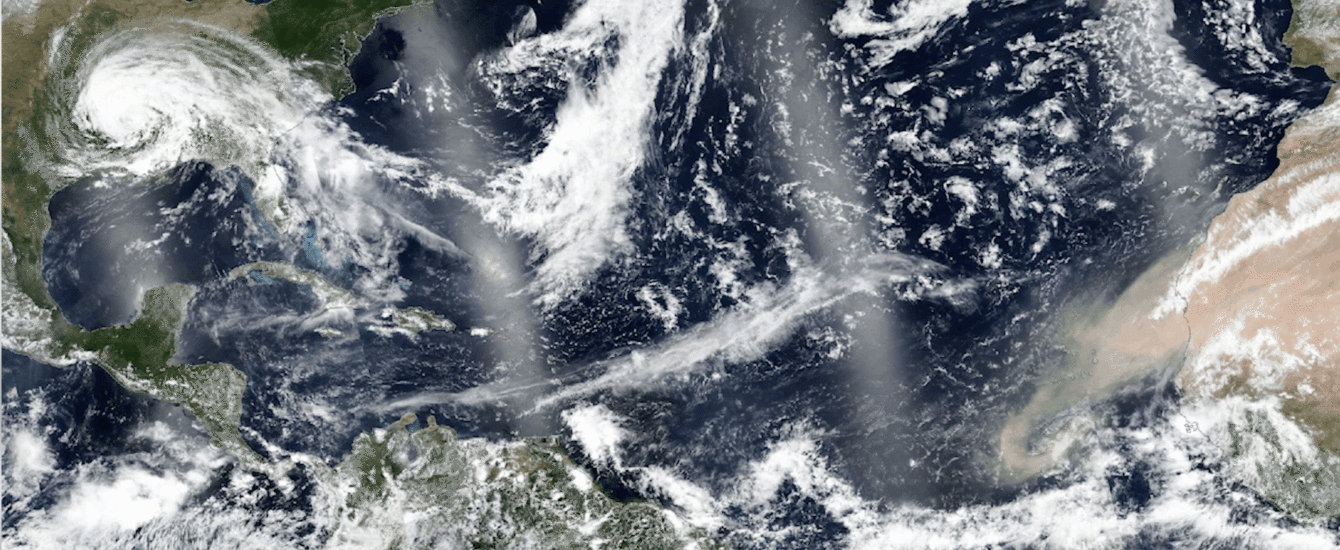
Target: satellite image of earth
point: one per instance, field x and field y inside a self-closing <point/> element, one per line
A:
<point x="750" y="274"/>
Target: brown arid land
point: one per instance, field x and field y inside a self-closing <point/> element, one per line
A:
<point x="1263" y="292"/>
<point x="1253" y="312"/>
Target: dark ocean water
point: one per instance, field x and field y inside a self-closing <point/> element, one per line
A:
<point x="907" y="394"/>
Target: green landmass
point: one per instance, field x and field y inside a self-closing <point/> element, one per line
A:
<point x="329" y="32"/>
<point x="414" y="320"/>
<point x="1300" y="477"/>
<point x="139" y="356"/>
<point x="324" y="35"/>
<point x="409" y="321"/>
<point x="1303" y="481"/>
<point x="321" y="35"/>
<point x="1312" y="35"/>
<point x="481" y="494"/>
<point x="26" y="188"/>
<point x="330" y="294"/>
<point x="25" y="223"/>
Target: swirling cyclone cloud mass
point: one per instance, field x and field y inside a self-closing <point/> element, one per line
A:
<point x="861" y="274"/>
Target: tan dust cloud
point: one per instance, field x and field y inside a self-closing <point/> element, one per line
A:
<point x="1270" y="324"/>
<point x="1254" y="310"/>
<point x="1109" y="345"/>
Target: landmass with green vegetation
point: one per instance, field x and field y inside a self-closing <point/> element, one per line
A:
<point x="330" y="294"/>
<point x="484" y="494"/>
<point x="1285" y="445"/>
<point x="327" y="32"/>
<point x="139" y="354"/>
<point x="321" y="35"/>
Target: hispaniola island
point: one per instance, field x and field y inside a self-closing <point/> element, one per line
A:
<point x="670" y="274"/>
